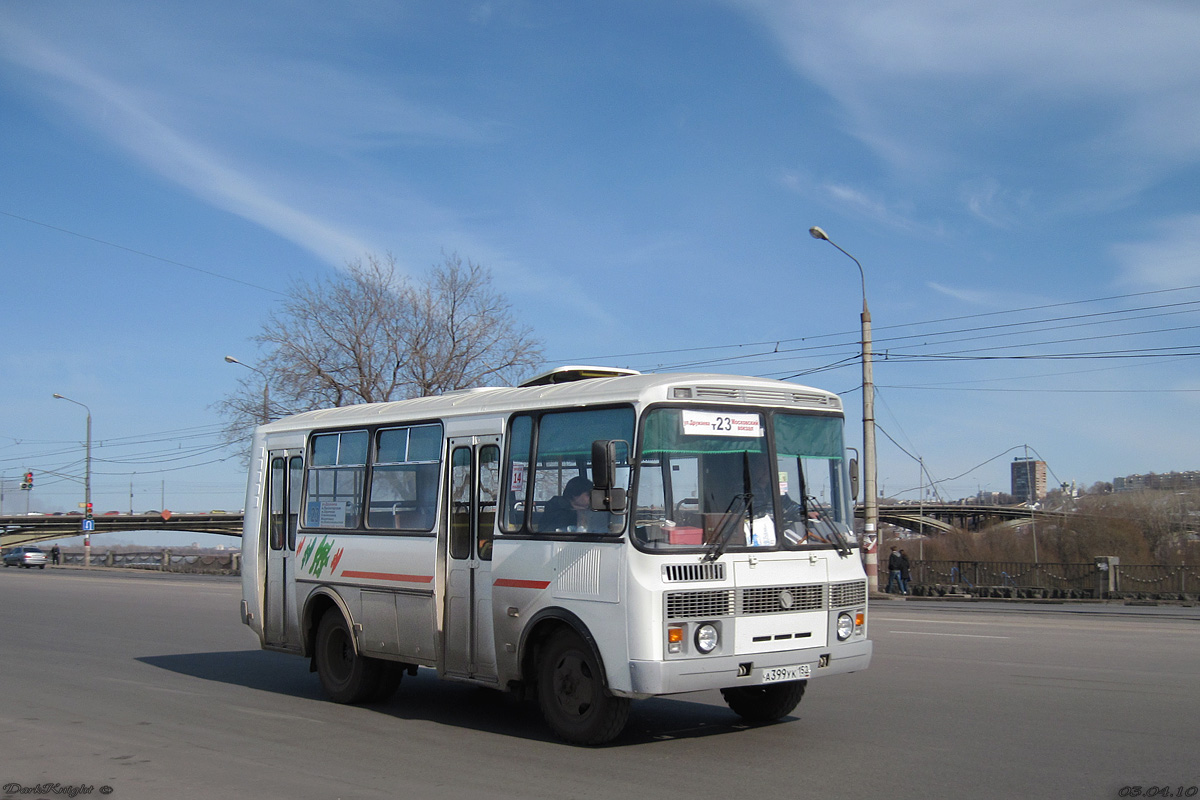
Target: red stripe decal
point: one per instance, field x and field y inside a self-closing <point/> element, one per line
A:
<point x="388" y="576"/>
<point x="516" y="584"/>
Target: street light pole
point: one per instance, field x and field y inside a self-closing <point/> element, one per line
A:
<point x="87" y="482"/>
<point x="266" y="404"/>
<point x="870" y="501"/>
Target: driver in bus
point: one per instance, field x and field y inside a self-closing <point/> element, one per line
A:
<point x="570" y="511"/>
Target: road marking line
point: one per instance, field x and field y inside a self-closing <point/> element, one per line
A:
<point x="959" y="635"/>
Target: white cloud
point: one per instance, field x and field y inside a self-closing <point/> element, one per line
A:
<point x="973" y="297"/>
<point x="963" y="86"/>
<point x="1169" y="260"/>
<point x="118" y="113"/>
<point x="859" y="202"/>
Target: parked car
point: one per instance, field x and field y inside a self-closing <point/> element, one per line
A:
<point x="27" y="557"/>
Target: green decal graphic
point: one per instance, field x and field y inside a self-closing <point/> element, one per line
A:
<point x="320" y="556"/>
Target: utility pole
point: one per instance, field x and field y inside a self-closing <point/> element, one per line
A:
<point x="88" y="522"/>
<point x="870" y="497"/>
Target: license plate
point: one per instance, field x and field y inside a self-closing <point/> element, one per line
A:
<point x="796" y="672"/>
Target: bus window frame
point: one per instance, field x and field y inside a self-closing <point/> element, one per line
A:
<point x="368" y="475"/>
<point x="373" y="463"/>
<point x="768" y="415"/>
<point x="524" y="532"/>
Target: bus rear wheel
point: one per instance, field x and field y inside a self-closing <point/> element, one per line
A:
<point x="347" y="676"/>
<point x="571" y="692"/>
<point x="765" y="703"/>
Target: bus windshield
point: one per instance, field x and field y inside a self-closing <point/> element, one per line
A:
<point x="741" y="480"/>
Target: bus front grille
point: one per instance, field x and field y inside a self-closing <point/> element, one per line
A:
<point x="689" y="605"/>
<point x="780" y="599"/>
<point x="749" y="601"/>
<point x="853" y="593"/>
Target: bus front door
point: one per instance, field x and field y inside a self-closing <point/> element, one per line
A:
<point x="280" y="626"/>
<point x="469" y="644"/>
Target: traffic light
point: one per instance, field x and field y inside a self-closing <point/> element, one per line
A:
<point x="27" y="481"/>
<point x="89" y="511"/>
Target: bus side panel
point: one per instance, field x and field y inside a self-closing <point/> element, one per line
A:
<point x="386" y="584"/>
<point x="585" y="580"/>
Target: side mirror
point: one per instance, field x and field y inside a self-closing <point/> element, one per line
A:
<point x="854" y="479"/>
<point x="606" y="495"/>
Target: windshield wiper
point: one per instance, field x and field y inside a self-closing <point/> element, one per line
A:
<point x="730" y="522"/>
<point x="840" y="542"/>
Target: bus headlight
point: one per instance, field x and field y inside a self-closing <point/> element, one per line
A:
<point x="707" y="638"/>
<point x="845" y="626"/>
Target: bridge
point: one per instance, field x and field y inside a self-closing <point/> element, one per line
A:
<point x="29" y="529"/>
<point x="935" y="518"/>
<point x="931" y="518"/>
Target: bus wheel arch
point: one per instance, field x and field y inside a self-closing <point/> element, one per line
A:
<point x="563" y="667"/>
<point x="541" y="628"/>
<point x="318" y="604"/>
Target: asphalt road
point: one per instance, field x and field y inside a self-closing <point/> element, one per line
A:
<point x="149" y="685"/>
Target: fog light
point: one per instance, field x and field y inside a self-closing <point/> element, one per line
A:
<point x="707" y="638"/>
<point x="845" y="626"/>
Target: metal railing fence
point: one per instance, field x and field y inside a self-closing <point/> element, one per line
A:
<point x="1080" y="580"/>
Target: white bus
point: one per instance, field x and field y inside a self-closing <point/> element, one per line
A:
<point x="588" y="538"/>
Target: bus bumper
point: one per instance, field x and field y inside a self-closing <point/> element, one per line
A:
<point x="649" y="678"/>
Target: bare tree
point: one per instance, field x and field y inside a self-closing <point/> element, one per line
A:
<point x="463" y="333"/>
<point x="370" y="334"/>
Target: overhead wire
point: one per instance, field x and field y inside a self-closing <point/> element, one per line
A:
<point x="142" y="253"/>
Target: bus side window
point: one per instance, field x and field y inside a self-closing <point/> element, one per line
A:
<point x="563" y="465"/>
<point x="336" y="473"/>
<point x="404" y="478"/>
<point x="489" y="495"/>
<point x="516" y="484"/>
<point x="276" y="502"/>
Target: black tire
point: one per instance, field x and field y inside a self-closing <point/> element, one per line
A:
<point x="764" y="703"/>
<point x="574" y="699"/>
<point x="390" y="674"/>
<point x="346" y="676"/>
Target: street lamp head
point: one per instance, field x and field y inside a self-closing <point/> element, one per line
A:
<point x="817" y="233"/>
<point x="232" y="360"/>
<point x="58" y="396"/>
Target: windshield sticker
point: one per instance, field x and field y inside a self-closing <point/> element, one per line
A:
<point x="712" y="423"/>
<point x="518" y="478"/>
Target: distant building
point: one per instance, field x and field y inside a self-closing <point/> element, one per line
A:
<point x="989" y="499"/>
<point x="1174" y="481"/>
<point x="1028" y="480"/>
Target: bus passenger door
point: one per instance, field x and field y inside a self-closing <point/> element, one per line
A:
<point x="286" y="470"/>
<point x="469" y="643"/>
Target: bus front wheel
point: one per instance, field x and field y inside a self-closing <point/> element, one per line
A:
<point x="347" y="676"/>
<point x="764" y="703"/>
<point x="571" y="692"/>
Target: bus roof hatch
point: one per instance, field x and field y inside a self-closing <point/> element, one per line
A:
<point x="576" y="373"/>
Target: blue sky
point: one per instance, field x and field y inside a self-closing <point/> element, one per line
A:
<point x="1019" y="181"/>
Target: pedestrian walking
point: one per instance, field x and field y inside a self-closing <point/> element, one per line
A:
<point x="894" y="566"/>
